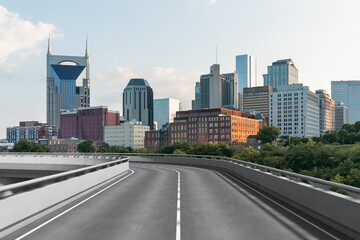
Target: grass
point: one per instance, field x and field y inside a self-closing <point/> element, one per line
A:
<point x="346" y="148"/>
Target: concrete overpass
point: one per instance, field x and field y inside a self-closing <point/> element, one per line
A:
<point x="178" y="197"/>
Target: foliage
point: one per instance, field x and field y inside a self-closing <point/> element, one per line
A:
<point x="29" y="146"/>
<point x="178" y="151"/>
<point x="118" y="149"/>
<point x="248" y="154"/>
<point x="86" y="147"/>
<point x="268" y="134"/>
<point x="1" y="150"/>
<point x="140" y="150"/>
<point x="104" y="148"/>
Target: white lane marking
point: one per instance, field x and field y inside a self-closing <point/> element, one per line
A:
<point x="178" y="211"/>
<point x="278" y="204"/>
<point x="60" y="214"/>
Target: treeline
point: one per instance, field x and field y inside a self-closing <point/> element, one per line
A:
<point x="348" y="134"/>
<point x="25" y="145"/>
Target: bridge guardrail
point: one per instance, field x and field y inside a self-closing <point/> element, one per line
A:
<point x="12" y="189"/>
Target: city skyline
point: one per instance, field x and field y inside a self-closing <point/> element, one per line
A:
<point x="147" y="53"/>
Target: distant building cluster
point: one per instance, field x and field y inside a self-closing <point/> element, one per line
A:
<point x="228" y="107"/>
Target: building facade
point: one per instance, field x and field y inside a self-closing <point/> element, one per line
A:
<point x="87" y="123"/>
<point x="138" y="102"/>
<point x="257" y="99"/>
<point x="155" y="139"/>
<point x="127" y="134"/>
<point x="30" y="130"/>
<point x="196" y="102"/>
<point x="246" y="67"/>
<point x="213" y="125"/>
<point x="229" y="89"/>
<point x="281" y="72"/>
<point x="61" y="145"/>
<point x="327" y="111"/>
<point x="165" y="110"/>
<point x="341" y="115"/>
<point x="294" y="109"/>
<point x="67" y="84"/>
<point x="348" y="92"/>
<point x="211" y="88"/>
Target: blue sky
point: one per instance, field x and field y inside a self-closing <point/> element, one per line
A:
<point x="170" y="43"/>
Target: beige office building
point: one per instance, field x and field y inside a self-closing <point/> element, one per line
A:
<point x="327" y="111"/>
<point x="257" y="99"/>
<point x="127" y="134"/>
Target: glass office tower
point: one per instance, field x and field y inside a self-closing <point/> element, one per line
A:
<point x="246" y="68"/>
<point x="348" y="92"/>
<point x="165" y="110"/>
<point x="281" y="72"/>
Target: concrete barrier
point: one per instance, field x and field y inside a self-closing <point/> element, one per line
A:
<point x="335" y="210"/>
<point x="22" y="209"/>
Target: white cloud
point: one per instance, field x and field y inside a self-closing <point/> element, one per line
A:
<point x="17" y="34"/>
<point x="212" y="1"/>
<point x="165" y="82"/>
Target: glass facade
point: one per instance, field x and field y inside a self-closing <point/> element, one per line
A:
<point x="282" y="72"/>
<point x="246" y="67"/>
<point x="165" y="110"/>
<point x="348" y="92"/>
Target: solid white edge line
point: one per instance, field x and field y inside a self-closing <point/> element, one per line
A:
<point x="178" y="211"/>
<point x="283" y="207"/>
<point x="78" y="204"/>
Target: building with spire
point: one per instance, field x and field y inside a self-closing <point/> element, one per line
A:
<point x="67" y="83"/>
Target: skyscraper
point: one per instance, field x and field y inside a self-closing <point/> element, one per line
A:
<point x="257" y="99"/>
<point x="67" y="84"/>
<point x="246" y="67"/>
<point x="348" y="92"/>
<point x="281" y="72"/>
<point x="138" y="102"/>
<point x="197" y="96"/>
<point x="211" y="88"/>
<point x="165" y="110"/>
<point x="229" y="90"/>
<point x="327" y="111"/>
<point x="341" y="115"/>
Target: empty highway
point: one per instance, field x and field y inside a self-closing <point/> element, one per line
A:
<point x="155" y="202"/>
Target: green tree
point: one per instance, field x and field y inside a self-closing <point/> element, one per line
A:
<point x="268" y="134"/>
<point x="348" y="127"/>
<point x="275" y="162"/>
<point x="118" y="149"/>
<point x="178" y="151"/>
<point x="140" y="150"/>
<point x="353" y="178"/>
<point x="354" y="154"/>
<point x="357" y="126"/>
<point x="104" y="148"/>
<point x="330" y="137"/>
<point x="182" y="146"/>
<point x="86" y="147"/>
<point x="1" y="150"/>
<point x="225" y="149"/>
<point x="29" y="146"/>
<point x="248" y="154"/>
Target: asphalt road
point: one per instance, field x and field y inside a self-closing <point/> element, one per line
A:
<point x="144" y="207"/>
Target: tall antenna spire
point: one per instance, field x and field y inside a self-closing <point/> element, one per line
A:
<point x="216" y="54"/>
<point x="49" y="45"/>
<point x="87" y="47"/>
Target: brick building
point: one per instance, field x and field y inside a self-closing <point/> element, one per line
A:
<point x="87" y="123"/>
<point x="30" y="130"/>
<point x="155" y="139"/>
<point x="214" y="125"/>
<point x="60" y="145"/>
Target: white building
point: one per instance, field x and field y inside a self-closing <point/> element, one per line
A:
<point x="127" y="134"/>
<point x="295" y="110"/>
<point x="165" y="110"/>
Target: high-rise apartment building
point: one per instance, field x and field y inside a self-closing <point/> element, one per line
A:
<point x="211" y="88"/>
<point x="257" y="99"/>
<point x="138" y="102"/>
<point x="294" y="109"/>
<point x="348" y="92"/>
<point x="67" y="84"/>
<point x="165" y="110"/>
<point x="327" y="112"/>
<point x="87" y="123"/>
<point x="281" y="72"/>
<point x="229" y="89"/>
<point x="341" y="115"/>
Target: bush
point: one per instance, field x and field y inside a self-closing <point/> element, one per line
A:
<point x="29" y="146"/>
<point x="178" y="151"/>
<point x="86" y="147"/>
<point x="248" y="154"/>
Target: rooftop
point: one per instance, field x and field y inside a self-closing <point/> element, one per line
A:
<point x="138" y="82"/>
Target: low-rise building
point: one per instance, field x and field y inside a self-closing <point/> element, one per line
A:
<point x="127" y="134"/>
<point x="214" y="125"/>
<point x="87" y="123"/>
<point x="61" y="145"/>
<point x="30" y="130"/>
<point x="155" y="139"/>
